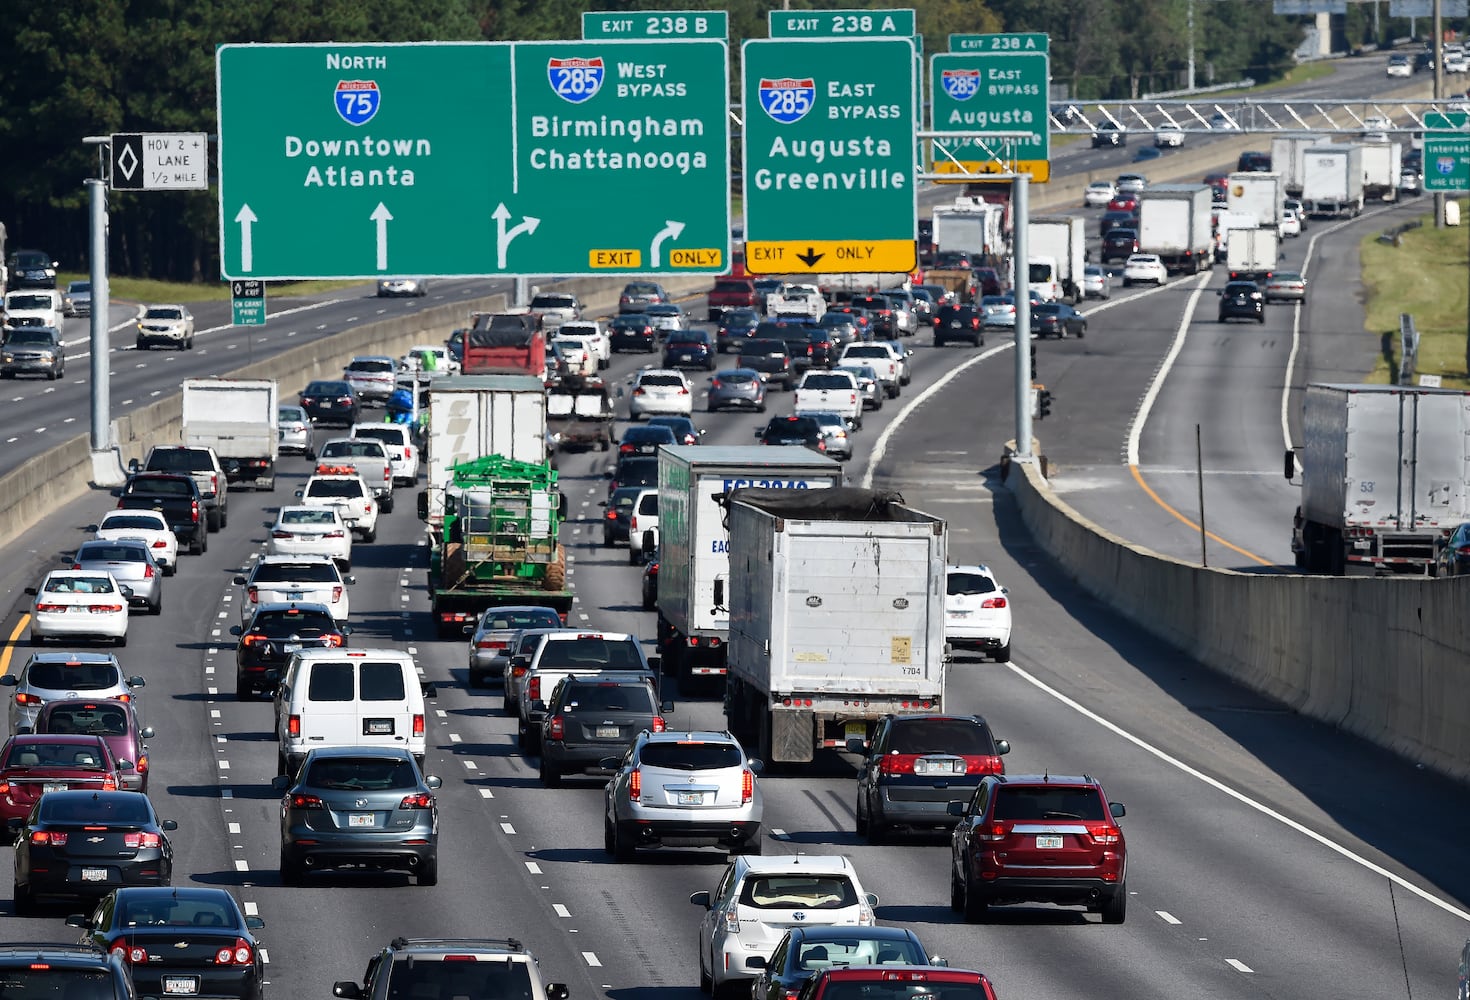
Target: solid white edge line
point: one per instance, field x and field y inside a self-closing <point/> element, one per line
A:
<point x="1135" y="428"/>
<point x="1241" y="797"/>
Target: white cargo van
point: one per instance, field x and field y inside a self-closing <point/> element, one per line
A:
<point x="349" y="698"/>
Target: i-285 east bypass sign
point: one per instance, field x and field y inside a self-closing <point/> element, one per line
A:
<point x="474" y="158"/>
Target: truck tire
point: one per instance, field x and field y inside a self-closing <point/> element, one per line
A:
<point x="556" y="571"/>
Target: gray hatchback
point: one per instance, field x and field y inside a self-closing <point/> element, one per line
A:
<point x="737" y="388"/>
<point x="131" y="564"/>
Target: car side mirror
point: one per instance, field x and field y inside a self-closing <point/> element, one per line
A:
<point x="301" y="493"/>
<point x="126" y="765"/>
<point x="610" y="764"/>
<point x="656" y="663"/>
<point x="608" y="474"/>
<point x="429" y="690"/>
<point x="666" y="706"/>
<point x="136" y="682"/>
<point x="32" y="592"/>
<point x="170" y="825"/>
<point x="345" y="629"/>
<point x="1002" y="747"/>
<point x="942" y="963"/>
<point x="347" y="990"/>
<point x="9" y="680"/>
<point x="255" y="923"/>
<point x="955" y="808"/>
<point x="1117" y="809"/>
<point x="236" y="630"/>
<point x="872" y="898"/>
<point x="93" y="527"/>
<point x="126" y="590"/>
<point x="239" y="581"/>
<point x="117" y="492"/>
<point x="433" y="781"/>
<point x="349" y="579"/>
<point x="468" y="630"/>
<point x="758" y="432"/>
<point x="857" y="745"/>
<point x="280" y="783"/>
<point x="557" y="991"/>
<point x="700" y="899"/>
<point x="147" y="732"/>
<point x="134" y="465"/>
<point x="24" y="730"/>
<point x="423" y="505"/>
<point x="78" y="920"/>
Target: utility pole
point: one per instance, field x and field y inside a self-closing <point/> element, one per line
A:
<point x="1438" y="51"/>
<point x="1190" y="8"/>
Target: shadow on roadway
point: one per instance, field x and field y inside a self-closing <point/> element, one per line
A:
<point x="243" y="790"/>
<point x="663" y="857"/>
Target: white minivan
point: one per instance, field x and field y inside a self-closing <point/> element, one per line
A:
<point x="349" y="698"/>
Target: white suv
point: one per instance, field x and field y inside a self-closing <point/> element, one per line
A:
<point x="977" y="612"/>
<point x="644" y="517"/>
<point x="660" y="390"/>
<point x="352" y="497"/>
<point x="758" y="899"/>
<point x="688" y="787"/>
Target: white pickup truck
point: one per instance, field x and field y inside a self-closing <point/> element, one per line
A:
<point x="796" y="300"/>
<point x="831" y="392"/>
<point x="883" y="358"/>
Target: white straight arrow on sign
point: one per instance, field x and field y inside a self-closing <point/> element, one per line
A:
<point x="246" y="218"/>
<point x="381" y="216"/>
<point x="670" y="231"/>
<point x="503" y="236"/>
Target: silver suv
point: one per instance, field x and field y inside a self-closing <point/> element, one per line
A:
<point x="50" y="676"/>
<point x="452" y="967"/>
<point x="690" y="787"/>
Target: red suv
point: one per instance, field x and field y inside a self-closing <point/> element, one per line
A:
<point x="897" y="982"/>
<point x="1042" y="838"/>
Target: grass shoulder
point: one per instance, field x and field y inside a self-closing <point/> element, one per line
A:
<point x="147" y="290"/>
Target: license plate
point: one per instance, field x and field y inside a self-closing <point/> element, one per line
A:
<point x="938" y="767"/>
<point x="608" y="732"/>
<point x="379" y="727"/>
<point x="956" y="324"/>
<point x="686" y="357"/>
<point x="292" y="647"/>
<point x="54" y="787"/>
<point x="181" y="986"/>
<point x="295" y="595"/>
<point x="691" y="798"/>
<point x="1048" y="843"/>
<point x="94" y="874"/>
<point x="855" y="731"/>
<point x="959" y="614"/>
<point x="359" y="819"/>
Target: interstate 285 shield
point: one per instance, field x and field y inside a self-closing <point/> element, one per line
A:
<point x="577" y="79"/>
<point x="960" y="84"/>
<point x="788" y="100"/>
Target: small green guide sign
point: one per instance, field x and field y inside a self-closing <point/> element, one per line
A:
<point x="598" y="24"/>
<point x="1446" y="162"/>
<point x="841" y="23"/>
<point x="247" y="302"/>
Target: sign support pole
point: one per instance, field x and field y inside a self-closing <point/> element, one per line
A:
<point x="106" y="463"/>
<point x="1021" y="289"/>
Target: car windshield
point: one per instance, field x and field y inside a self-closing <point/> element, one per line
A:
<point x="787" y="892"/>
<point x="79" y="585"/>
<point x="273" y="572"/>
<point x="590" y="651"/>
<point x="291" y="414"/>
<point x="690" y="755"/>
<point x="76" y="676"/>
<point x="671" y="381"/>
<point x="830" y="951"/>
<point x="179" y="460"/>
<point x="964" y="737"/>
<point x="1015" y="802"/>
<point x="309" y="515"/>
<point x="553" y="302"/>
<point x="754" y="347"/>
<point x="370" y="367"/>
<point x="163" y="313"/>
<point x="827" y="382"/>
<point x="93" y="720"/>
<point x="363" y="773"/>
<point x="28" y="302"/>
<point x="159" y="486"/>
<point x="147" y="522"/>
<point x="903" y="989"/>
<point x="30" y="335"/>
<point x="411" y="979"/>
<point x="327" y="389"/>
<point x="357" y="448"/>
<point x="657" y="434"/>
<point x="966" y="584"/>
<point x="39" y="754"/>
<point x="608" y="698"/>
<point x="280" y="624"/>
<point x="108" y="810"/>
<point x="387" y="435"/>
<point x="44" y="981"/>
<point x="111" y="552"/>
<point x="640" y="288"/>
<point x="334" y="488"/>
<point x="736" y="378"/>
<point x="501" y="618"/>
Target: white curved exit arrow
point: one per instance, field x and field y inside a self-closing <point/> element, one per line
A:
<point x="670" y="231"/>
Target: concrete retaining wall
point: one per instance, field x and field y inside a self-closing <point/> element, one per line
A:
<point x="56" y="476"/>
<point x="1386" y="659"/>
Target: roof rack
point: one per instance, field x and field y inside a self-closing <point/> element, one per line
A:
<point x="510" y="944"/>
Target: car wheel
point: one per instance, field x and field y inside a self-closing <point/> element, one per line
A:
<point x="761" y="408"/>
<point x="427" y="873"/>
<point x="706" y="984"/>
<point x="1115" y="910"/>
<point x="622" y="850"/>
<point x="976" y="908"/>
<point x="1261" y="319"/>
<point x="476" y="679"/>
<point x="212" y="520"/>
<point x="387" y="504"/>
<point x="1082" y="331"/>
<point x="243" y="690"/>
<point x="290" y="870"/>
<point x="607" y="541"/>
<point x="156" y="608"/>
<point x="370" y="535"/>
<point x="51" y="375"/>
<point x="121" y="640"/>
<point x="550" y="776"/>
<point x="956" y="894"/>
<point x="140" y="346"/>
<point x="1127" y="283"/>
<point x="860" y="820"/>
<point x="25" y="900"/>
<point x="633" y="555"/>
<point x="751" y="848"/>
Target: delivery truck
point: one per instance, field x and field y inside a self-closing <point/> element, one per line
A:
<point x="1333" y="181"/>
<point x="1385" y="473"/>
<point x="693" y="624"/>
<point x="1258" y="194"/>
<point x="1251" y="254"/>
<point x="474" y="416"/>
<point x="237" y="417"/>
<point x="1383" y="168"/>
<point x="1288" y="158"/>
<point x="970" y="225"/>
<point x="1174" y="222"/>
<point x="836" y="603"/>
<point x="1062" y="240"/>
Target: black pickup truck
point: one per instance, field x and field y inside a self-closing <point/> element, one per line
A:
<point x="176" y="497"/>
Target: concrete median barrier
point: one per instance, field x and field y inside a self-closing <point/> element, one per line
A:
<point x="1387" y="659"/>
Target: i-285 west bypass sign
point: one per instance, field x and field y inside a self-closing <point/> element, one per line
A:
<point x="475" y="158"/>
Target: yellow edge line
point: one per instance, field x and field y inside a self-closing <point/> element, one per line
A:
<point x="20" y="627"/>
<point x="1138" y="478"/>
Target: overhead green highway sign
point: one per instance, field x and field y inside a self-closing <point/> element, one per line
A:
<point x="996" y="83"/>
<point x="475" y="158"/>
<point x="655" y="24"/>
<point x="841" y="23"/>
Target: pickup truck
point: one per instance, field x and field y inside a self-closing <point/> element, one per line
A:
<point x="883" y="358"/>
<point x="367" y="457"/>
<point x="835" y="392"/>
<point x="561" y="654"/>
<point x="352" y="497"/>
<point x="796" y="300"/>
<point x="174" y="495"/>
<point x="203" y="465"/>
<point x="732" y="293"/>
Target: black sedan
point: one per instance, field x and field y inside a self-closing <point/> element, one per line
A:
<point x="85" y="843"/>
<point x="645" y="440"/>
<point x="1057" y="319"/>
<point x="794" y="430"/>
<point x="689" y="349"/>
<point x="736" y="325"/>
<point x="959" y="323"/>
<point x="274" y="633"/>
<point x="1242" y="300"/>
<point x="331" y="403"/>
<point x="188" y="942"/>
<point x="633" y="332"/>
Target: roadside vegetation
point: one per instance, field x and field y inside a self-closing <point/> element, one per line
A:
<point x="1425" y="275"/>
<point x="147" y="290"/>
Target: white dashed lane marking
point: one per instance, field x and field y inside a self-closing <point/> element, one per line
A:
<point x="507" y="828"/>
<point x="1167" y="917"/>
<point x="241" y="865"/>
<point x="1238" y="965"/>
<point x="560" y="910"/>
<point x="533" y="868"/>
<point x="234" y="827"/>
<point x="591" y="959"/>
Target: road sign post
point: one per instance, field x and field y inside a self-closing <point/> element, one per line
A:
<point x="476" y="158"/>
<point x="829" y="155"/>
<point x="995" y="83"/>
<point x="159" y="161"/>
<point x="655" y="24"/>
<point x="247" y="302"/>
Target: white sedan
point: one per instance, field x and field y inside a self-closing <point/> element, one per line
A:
<point x="1144" y="267"/>
<point x="1094" y="282"/>
<point x="149" y="526"/>
<point x="311" y="531"/>
<point x="73" y="604"/>
<point x="1291" y="223"/>
<point x="977" y="612"/>
<point x="1168" y="135"/>
<point x="1099" y="193"/>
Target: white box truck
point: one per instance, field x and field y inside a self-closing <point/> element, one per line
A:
<point x="1385" y="477"/>
<point x="1288" y="158"/>
<point x="1333" y="182"/>
<point x="1383" y="168"/>
<point x="836" y="617"/>
<point x="971" y="225"/>
<point x="1062" y="240"/>
<point x="471" y="416"/>
<point x="1258" y="194"/>
<point x="237" y="417"/>
<point x="693" y="546"/>
<point x="1252" y="254"/>
<point x="1175" y="222"/>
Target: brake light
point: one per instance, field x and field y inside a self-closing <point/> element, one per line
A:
<point x="148" y="571"/>
<point x="683" y="392"/>
<point x="132" y="954"/>
<point x="240" y="954"/>
<point x="732" y="920"/>
<point x="625" y="449"/>
<point x="48" y="837"/>
<point x="104" y="609"/>
<point x="993" y="602"/>
<point x="418" y="725"/>
<point x="998" y="830"/>
<point x="658" y="724"/>
<point x="714" y="383"/>
<point x="639" y="391"/>
<point x="142" y="840"/>
<point x="254" y="640"/>
<point x="109" y="783"/>
<point x="160" y="544"/>
<point x="747" y="785"/>
<point x="293" y="725"/>
<point x="253" y="592"/>
<point x="491" y="644"/>
<point x="22" y="698"/>
<point x="142" y="763"/>
<point x="300" y="801"/>
<point x="41" y="608"/>
<point x="419" y="800"/>
<point x="898" y="763"/>
<point x="983" y="764"/>
<point x="1104" y="833"/>
<point x="533" y="688"/>
<point x="336" y="594"/>
<point x="612" y="515"/>
<point x="194" y="511"/>
<point x="635" y="785"/>
<point x="214" y="483"/>
<point x="556" y="728"/>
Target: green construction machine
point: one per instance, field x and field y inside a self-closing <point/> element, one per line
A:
<point x="498" y="542"/>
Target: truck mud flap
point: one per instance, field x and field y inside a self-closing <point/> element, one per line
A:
<point x="792" y="736"/>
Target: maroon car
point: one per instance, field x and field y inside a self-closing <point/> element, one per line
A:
<point x="114" y="720"/>
<point x="36" y="763"/>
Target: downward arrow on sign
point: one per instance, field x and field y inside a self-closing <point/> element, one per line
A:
<point x="811" y="256"/>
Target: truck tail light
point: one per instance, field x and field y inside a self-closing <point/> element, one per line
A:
<point x="253" y="593"/>
<point x="336" y="594"/>
<point x="658" y="725"/>
<point x="293" y="726"/>
<point x="533" y="688"/>
<point x="194" y="511"/>
<point x="418" y="725"/>
<point x="214" y="483"/>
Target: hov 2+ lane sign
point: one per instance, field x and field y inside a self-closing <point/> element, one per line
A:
<point x="995" y="83"/>
<point x="829" y="155"/>
<point x="474" y="158"/>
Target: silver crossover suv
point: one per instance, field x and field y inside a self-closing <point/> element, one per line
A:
<point x="47" y="677"/>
